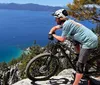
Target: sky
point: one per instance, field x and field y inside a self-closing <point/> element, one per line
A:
<point x="41" y="2"/>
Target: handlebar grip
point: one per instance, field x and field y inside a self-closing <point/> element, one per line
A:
<point x="53" y="33"/>
<point x="50" y="37"/>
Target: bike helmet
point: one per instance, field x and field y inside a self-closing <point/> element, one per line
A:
<point x="61" y="13"/>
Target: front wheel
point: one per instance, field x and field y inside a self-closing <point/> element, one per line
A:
<point x="42" y="67"/>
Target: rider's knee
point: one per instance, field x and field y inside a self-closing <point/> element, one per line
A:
<point x="79" y="67"/>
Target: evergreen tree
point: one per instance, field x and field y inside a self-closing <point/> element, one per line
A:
<point x="81" y="9"/>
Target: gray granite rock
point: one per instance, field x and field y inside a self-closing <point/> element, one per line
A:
<point x="63" y="78"/>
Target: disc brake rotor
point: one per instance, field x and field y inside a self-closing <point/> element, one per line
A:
<point x="43" y="69"/>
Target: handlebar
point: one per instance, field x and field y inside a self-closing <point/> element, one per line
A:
<point x="50" y="37"/>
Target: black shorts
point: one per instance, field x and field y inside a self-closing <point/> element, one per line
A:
<point x="84" y="54"/>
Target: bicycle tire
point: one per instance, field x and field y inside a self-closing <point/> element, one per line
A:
<point x="41" y="56"/>
<point x="92" y="67"/>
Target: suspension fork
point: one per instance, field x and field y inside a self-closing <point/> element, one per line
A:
<point x="47" y="61"/>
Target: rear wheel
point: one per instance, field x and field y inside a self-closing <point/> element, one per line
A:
<point x="93" y="68"/>
<point x="42" y="67"/>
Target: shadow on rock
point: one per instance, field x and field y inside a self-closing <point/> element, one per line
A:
<point x="58" y="81"/>
<point x="51" y="82"/>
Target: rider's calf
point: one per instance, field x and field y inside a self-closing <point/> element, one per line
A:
<point x="79" y="67"/>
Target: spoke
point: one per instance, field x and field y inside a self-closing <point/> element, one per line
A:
<point x="40" y="70"/>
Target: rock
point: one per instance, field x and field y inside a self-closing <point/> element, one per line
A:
<point x="24" y="82"/>
<point x="67" y="73"/>
<point x="57" y="80"/>
<point x="63" y="78"/>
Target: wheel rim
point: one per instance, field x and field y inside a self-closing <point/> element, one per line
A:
<point x="38" y="70"/>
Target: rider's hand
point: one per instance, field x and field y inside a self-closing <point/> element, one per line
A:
<point x="50" y="37"/>
<point x="53" y="33"/>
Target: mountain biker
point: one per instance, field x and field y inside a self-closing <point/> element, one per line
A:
<point x="81" y="36"/>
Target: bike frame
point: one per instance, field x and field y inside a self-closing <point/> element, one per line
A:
<point x="59" y="46"/>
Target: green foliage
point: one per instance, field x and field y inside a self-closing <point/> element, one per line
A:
<point x="3" y="66"/>
<point x="25" y="58"/>
<point x="12" y="62"/>
<point x="80" y="12"/>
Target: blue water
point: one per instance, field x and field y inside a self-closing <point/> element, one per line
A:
<point x="19" y="29"/>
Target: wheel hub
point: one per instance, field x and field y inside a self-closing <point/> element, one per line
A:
<point x="43" y="69"/>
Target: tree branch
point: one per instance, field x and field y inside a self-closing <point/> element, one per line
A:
<point x="96" y="19"/>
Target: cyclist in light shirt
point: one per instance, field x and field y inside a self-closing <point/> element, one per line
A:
<point x="80" y="34"/>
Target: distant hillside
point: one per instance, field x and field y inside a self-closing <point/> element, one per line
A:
<point x="29" y="6"/>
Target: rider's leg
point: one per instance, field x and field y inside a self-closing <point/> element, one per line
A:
<point x="79" y="73"/>
<point x="80" y="65"/>
<point x="77" y="78"/>
<point x="76" y="46"/>
<point x="77" y="49"/>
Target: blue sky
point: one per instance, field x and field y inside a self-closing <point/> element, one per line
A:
<point x="42" y="2"/>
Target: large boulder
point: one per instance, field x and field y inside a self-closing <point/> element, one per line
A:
<point x="65" y="77"/>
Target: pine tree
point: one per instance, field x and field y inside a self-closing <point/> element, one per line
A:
<point x="81" y="9"/>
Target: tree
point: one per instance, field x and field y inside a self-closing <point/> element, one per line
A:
<point x="85" y="9"/>
<point x="12" y="62"/>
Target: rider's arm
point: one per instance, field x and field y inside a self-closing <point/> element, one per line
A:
<point x="53" y="29"/>
<point x="60" y="38"/>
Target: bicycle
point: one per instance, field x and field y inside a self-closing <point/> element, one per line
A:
<point x="45" y="65"/>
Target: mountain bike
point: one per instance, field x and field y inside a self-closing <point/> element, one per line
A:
<point x="45" y="65"/>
